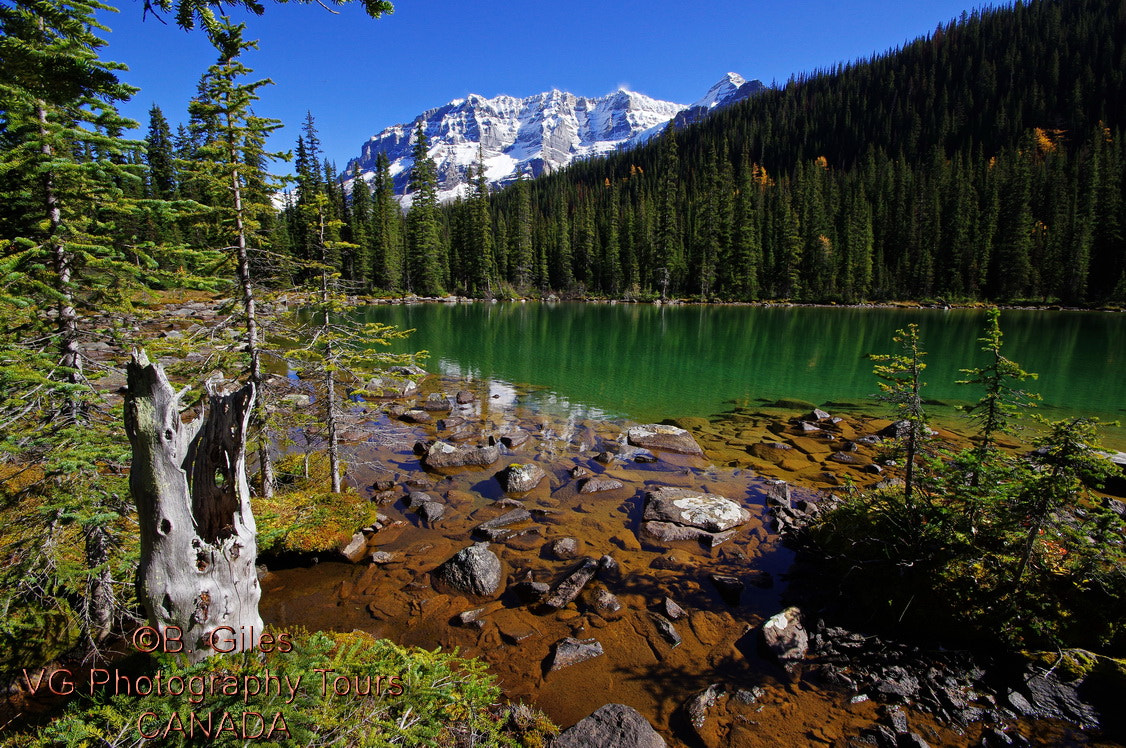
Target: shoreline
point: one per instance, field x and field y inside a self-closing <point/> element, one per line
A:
<point x="713" y="623"/>
<point x="362" y="300"/>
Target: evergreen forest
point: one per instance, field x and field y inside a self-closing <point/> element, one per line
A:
<point x="984" y="161"/>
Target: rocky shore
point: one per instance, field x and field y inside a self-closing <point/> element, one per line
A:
<point x="630" y="579"/>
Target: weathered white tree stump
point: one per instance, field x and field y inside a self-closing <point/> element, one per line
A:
<point x="197" y="570"/>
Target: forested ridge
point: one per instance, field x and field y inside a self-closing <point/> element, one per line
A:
<point x="982" y="162"/>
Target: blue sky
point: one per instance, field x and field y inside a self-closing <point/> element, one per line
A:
<point x="358" y="75"/>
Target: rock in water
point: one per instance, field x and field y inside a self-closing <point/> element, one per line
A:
<point x="430" y="512"/>
<point x="665" y="628"/>
<point x="521" y="477"/>
<point x="681" y="514"/>
<point x="786" y="638"/>
<point x="474" y="570"/>
<point x="564" y="549"/>
<point x="356" y="548"/>
<point x="708" y="512"/>
<point x="699" y="705"/>
<point x="594" y="485"/>
<point x="671" y="610"/>
<point x="571" y="651"/>
<point x="660" y="436"/>
<point x="496" y="527"/>
<point x="572" y="585"/>
<point x="612" y="726"/>
<point x="443" y="455"/>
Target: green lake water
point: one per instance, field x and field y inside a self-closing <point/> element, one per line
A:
<point x="649" y="362"/>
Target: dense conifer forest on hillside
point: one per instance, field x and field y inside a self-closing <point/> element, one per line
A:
<point x="982" y="162"/>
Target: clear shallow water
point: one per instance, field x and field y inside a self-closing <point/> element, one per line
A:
<point x="649" y="362"/>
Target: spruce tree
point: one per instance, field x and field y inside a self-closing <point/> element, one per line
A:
<point x="483" y="269"/>
<point x="387" y="260"/>
<point x="522" y="257"/>
<point x="159" y="157"/>
<point x="228" y="130"/>
<point x="66" y="183"/>
<point x="424" y="245"/>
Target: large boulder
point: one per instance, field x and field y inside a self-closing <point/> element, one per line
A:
<point x="786" y="638"/>
<point x="474" y="570"/>
<point x="611" y="726"/>
<point x="661" y="436"/>
<point x="443" y="455"/>
<point x="689" y="508"/>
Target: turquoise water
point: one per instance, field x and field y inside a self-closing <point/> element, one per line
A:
<point x="649" y="362"/>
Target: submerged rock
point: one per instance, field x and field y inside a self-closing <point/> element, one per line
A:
<point x="497" y="526"/>
<point x="671" y="610"/>
<point x="564" y="549"/>
<point x="611" y="726"/>
<point x="661" y="436"/>
<point x="474" y="570"/>
<point x="594" y="485"/>
<point x="571" y="651"/>
<point x="665" y="628"/>
<point x="572" y="585"/>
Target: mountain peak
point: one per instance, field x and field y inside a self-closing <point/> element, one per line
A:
<point x="535" y="134"/>
<point x="724" y="88"/>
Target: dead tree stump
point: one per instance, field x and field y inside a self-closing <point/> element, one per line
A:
<point x="197" y="570"/>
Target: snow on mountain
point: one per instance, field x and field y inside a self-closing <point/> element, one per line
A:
<point x="530" y="136"/>
<point x="720" y="92"/>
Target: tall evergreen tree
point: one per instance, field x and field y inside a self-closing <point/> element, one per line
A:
<point x="65" y="185"/>
<point x="483" y="272"/>
<point x="387" y="270"/>
<point x="424" y="246"/>
<point x="159" y="156"/>
<point x="228" y="131"/>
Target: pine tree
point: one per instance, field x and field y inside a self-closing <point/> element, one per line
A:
<point x="483" y="272"/>
<point x="360" y="226"/>
<point x="669" y="252"/>
<point x="424" y="263"/>
<point x="902" y="387"/>
<point x="228" y="130"/>
<point x="1002" y="401"/>
<point x="159" y="157"/>
<point x="522" y="259"/>
<point x="66" y="181"/>
<point x="387" y="271"/>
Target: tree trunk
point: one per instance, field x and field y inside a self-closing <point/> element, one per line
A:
<point x="261" y="416"/>
<point x="67" y="321"/>
<point x="198" y="545"/>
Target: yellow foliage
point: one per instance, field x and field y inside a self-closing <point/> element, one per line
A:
<point x="822" y="162"/>
<point x="760" y="177"/>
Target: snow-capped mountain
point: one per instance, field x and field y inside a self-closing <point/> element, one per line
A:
<point x="532" y="135"/>
<point x="728" y="90"/>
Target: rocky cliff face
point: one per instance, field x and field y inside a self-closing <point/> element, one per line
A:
<point x="528" y="136"/>
<point x="531" y="136"/>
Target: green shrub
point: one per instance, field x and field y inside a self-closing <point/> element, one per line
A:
<point x="346" y="689"/>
